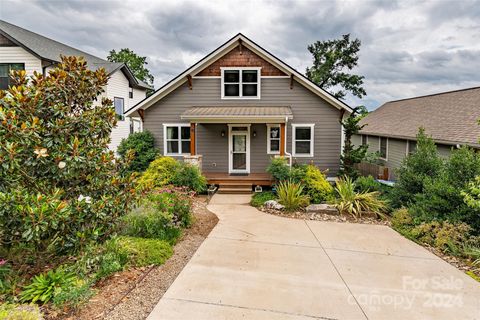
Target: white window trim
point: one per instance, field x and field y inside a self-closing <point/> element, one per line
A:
<point x="379" y="149"/>
<point x="312" y="137"/>
<point x="269" y="126"/>
<point x="179" y="125"/>
<point x="240" y="88"/>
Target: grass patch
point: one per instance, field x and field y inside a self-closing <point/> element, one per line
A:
<point x="143" y="252"/>
<point x="260" y="198"/>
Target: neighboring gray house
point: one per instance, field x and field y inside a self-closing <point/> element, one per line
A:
<point x="450" y="118"/>
<point x="240" y="106"/>
<point x="24" y="49"/>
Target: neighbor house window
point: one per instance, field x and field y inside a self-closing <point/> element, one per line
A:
<point x="240" y="83"/>
<point x="411" y="146"/>
<point x="302" y="140"/>
<point x="383" y="148"/>
<point x="130" y="92"/>
<point x="176" y="139"/>
<point x="273" y="139"/>
<point x="364" y="139"/>
<point x="119" y="107"/>
<point x="5" y="69"/>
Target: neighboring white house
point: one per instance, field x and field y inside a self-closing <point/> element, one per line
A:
<point x="23" y="49"/>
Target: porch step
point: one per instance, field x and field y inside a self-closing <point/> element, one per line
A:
<point x="235" y="188"/>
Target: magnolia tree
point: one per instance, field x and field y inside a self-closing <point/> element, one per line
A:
<point x="60" y="187"/>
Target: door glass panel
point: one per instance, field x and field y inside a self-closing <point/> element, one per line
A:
<point x="239" y="143"/>
<point x="239" y="161"/>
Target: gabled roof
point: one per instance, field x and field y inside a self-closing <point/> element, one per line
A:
<point x="222" y="50"/>
<point x="449" y="117"/>
<point x="47" y="49"/>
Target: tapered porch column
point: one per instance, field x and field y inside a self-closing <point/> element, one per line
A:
<point x="283" y="136"/>
<point x="192" y="139"/>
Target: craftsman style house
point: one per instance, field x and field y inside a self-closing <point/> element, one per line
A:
<point x="450" y="118"/>
<point x="240" y="106"/>
<point x="23" y="49"/>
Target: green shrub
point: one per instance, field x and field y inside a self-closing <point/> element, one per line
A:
<point x="367" y="184"/>
<point x="188" y="175"/>
<point x="53" y="151"/>
<point x="10" y="311"/>
<point x="166" y="170"/>
<point x="443" y="199"/>
<point x="290" y="194"/>
<point x="356" y="204"/>
<point x="416" y="170"/>
<point x="114" y="258"/>
<point x="279" y="169"/>
<point x="149" y="223"/>
<point x="143" y="146"/>
<point x="74" y="296"/>
<point x="258" y="199"/>
<point x="144" y="252"/>
<point x="45" y="286"/>
<point x="177" y="202"/>
<point x="298" y="172"/>
<point x="445" y="236"/>
<point x="318" y="188"/>
<point x="159" y="173"/>
<point x="401" y="219"/>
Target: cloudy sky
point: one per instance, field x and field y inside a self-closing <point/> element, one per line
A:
<point x="408" y="47"/>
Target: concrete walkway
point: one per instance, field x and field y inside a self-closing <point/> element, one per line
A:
<point x="259" y="266"/>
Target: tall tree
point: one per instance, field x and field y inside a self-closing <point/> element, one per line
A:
<point x="135" y="62"/>
<point x="351" y="154"/>
<point x="332" y="61"/>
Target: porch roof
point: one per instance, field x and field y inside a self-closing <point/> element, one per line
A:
<point x="221" y="114"/>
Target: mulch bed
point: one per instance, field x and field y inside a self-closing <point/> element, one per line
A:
<point x="303" y="215"/>
<point x="132" y="294"/>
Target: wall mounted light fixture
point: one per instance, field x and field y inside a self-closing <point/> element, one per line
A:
<point x="254" y="133"/>
<point x="223" y="133"/>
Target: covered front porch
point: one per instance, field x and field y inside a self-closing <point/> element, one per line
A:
<point x="237" y="143"/>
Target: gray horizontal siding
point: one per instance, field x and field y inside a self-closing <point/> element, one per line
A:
<point x="306" y="108"/>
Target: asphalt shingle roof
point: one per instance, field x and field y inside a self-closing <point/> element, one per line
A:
<point x="450" y="117"/>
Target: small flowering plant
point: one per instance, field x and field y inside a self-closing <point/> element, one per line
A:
<point x="177" y="201"/>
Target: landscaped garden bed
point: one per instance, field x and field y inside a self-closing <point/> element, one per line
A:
<point x="81" y="228"/>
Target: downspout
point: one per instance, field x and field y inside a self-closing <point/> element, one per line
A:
<point x="286" y="136"/>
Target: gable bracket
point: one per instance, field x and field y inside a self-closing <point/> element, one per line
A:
<point x="141" y="113"/>
<point x="240" y="46"/>
<point x="291" y="81"/>
<point x="190" y="82"/>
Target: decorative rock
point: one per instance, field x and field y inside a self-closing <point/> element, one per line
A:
<point x="272" y="204"/>
<point x="322" y="208"/>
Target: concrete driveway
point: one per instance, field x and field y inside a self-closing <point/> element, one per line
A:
<point x="259" y="266"/>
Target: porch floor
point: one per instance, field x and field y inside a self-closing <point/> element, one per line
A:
<point x="261" y="179"/>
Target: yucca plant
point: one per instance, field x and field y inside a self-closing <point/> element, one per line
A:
<point x="356" y="204"/>
<point x="290" y="194"/>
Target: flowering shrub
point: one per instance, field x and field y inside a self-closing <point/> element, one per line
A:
<point x="60" y="188"/>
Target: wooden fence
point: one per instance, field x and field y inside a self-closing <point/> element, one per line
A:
<point x="374" y="170"/>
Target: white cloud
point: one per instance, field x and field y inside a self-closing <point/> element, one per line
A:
<point x="408" y="47"/>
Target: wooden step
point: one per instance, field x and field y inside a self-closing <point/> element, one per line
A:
<point x="236" y="185"/>
<point x="234" y="191"/>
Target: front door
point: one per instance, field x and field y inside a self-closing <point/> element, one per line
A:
<point x="239" y="149"/>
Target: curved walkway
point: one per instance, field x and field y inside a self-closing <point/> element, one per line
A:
<point x="258" y="266"/>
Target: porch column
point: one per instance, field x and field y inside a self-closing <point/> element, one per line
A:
<point x="192" y="139"/>
<point x="282" y="139"/>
